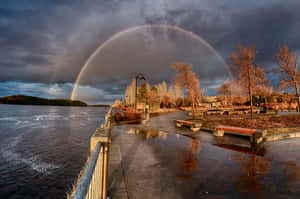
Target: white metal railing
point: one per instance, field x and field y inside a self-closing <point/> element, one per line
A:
<point x="93" y="183"/>
<point x="107" y="122"/>
<point x="85" y="187"/>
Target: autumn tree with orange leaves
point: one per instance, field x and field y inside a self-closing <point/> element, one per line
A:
<point x="287" y="62"/>
<point x="248" y="74"/>
<point x="186" y="78"/>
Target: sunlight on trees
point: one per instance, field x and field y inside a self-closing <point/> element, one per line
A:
<point x="226" y="91"/>
<point x="248" y="74"/>
<point x="130" y="93"/>
<point x="186" y="78"/>
<point x="287" y="62"/>
<point x="249" y="80"/>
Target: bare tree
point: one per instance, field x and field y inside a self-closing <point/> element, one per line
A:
<point x="245" y="71"/>
<point x="265" y="91"/>
<point x="178" y="91"/>
<point x="130" y="93"/>
<point x="163" y="92"/>
<point x="153" y="97"/>
<point x="225" y="90"/>
<point x="171" y="94"/>
<point x="287" y="61"/>
<point x="186" y="78"/>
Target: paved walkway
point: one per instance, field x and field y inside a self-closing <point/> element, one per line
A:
<point x="166" y="123"/>
<point x="143" y="171"/>
<point x="117" y="187"/>
<point x="146" y="162"/>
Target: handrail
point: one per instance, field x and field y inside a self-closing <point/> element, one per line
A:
<point x="108" y="118"/>
<point x="83" y="186"/>
<point x="93" y="183"/>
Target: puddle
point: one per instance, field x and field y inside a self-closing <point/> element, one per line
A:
<point x="205" y="165"/>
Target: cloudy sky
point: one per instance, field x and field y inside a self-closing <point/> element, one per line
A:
<point x="44" y="44"/>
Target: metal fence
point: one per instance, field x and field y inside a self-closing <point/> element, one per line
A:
<point x="93" y="183"/>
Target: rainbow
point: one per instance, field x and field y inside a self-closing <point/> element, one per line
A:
<point x="133" y="29"/>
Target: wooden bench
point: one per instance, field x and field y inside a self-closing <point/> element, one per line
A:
<point x="192" y="125"/>
<point x="214" y="112"/>
<point x="256" y="135"/>
<point x="197" y="114"/>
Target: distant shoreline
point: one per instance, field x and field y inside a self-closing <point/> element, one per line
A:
<point x="100" y="105"/>
<point x="88" y="106"/>
<point x="31" y="100"/>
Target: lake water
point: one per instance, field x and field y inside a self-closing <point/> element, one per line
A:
<point x="43" y="148"/>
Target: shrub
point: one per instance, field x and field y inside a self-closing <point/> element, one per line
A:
<point x="118" y="116"/>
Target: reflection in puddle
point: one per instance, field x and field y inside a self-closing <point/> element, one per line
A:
<point x="252" y="168"/>
<point x="251" y="150"/>
<point x="204" y="162"/>
<point x="188" y="162"/>
<point x="146" y="134"/>
<point x="187" y="159"/>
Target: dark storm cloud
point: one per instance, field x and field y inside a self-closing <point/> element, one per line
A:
<point x="49" y="41"/>
<point x="267" y="27"/>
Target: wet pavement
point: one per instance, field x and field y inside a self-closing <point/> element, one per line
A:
<point x="157" y="160"/>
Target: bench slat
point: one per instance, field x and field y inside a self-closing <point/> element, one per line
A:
<point x="236" y="129"/>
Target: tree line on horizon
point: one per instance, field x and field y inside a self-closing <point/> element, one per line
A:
<point x="31" y="100"/>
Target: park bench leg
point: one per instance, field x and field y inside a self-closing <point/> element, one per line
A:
<point x="218" y="133"/>
<point x="258" y="136"/>
<point x="194" y="129"/>
<point x="178" y="124"/>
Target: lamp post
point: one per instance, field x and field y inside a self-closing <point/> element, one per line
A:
<point x="140" y="77"/>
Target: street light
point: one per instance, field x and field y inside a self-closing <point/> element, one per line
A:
<point x="140" y="76"/>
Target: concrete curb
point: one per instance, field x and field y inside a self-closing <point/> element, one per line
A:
<point x="271" y="138"/>
<point x="206" y="129"/>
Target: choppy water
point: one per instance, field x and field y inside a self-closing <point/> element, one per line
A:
<point x="43" y="148"/>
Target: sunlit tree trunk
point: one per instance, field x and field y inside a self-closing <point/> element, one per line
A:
<point x="247" y="74"/>
<point x="250" y="93"/>
<point x="297" y="94"/>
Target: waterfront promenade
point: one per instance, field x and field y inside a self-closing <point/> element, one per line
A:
<point x="158" y="160"/>
<point x="135" y="168"/>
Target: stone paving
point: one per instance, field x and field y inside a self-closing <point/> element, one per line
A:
<point x="117" y="188"/>
<point x="144" y="181"/>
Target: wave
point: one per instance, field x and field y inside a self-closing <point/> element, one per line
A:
<point x="50" y="117"/>
<point x="8" y="118"/>
<point x="34" y="162"/>
<point x="26" y="124"/>
<point x="20" y="123"/>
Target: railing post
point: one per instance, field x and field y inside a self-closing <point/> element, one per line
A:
<point x="101" y="173"/>
<point x="105" y="169"/>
